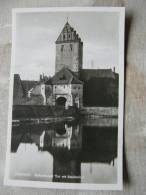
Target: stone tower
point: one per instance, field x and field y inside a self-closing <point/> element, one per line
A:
<point x="69" y="50"/>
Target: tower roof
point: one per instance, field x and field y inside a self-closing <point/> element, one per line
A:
<point x="67" y="27"/>
<point x="68" y="34"/>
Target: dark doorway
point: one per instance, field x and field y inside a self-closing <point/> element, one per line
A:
<point x="61" y="101"/>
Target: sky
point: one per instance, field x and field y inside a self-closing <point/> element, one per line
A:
<point x="36" y="34"/>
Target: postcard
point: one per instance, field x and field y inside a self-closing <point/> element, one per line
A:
<point x="66" y="97"/>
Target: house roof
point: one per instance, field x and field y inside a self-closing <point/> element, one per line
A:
<point x="27" y="85"/>
<point x="65" y="76"/>
<point x="18" y="87"/>
<point x="68" y="34"/>
<point x="86" y="74"/>
<point x="49" y="81"/>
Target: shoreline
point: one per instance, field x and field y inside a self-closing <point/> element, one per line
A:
<point x="43" y="120"/>
<point x="47" y="120"/>
<point x="38" y="115"/>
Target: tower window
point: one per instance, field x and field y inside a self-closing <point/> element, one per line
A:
<point x="62" y="46"/>
<point x="62" y="77"/>
<point x="71" y="47"/>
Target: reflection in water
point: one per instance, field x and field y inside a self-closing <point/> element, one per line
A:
<point x="77" y="151"/>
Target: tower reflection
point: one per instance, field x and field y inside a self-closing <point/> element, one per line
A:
<point x="71" y="144"/>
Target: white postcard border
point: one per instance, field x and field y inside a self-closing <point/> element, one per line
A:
<point x="55" y="185"/>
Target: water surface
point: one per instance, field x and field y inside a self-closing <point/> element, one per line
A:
<point x="82" y="151"/>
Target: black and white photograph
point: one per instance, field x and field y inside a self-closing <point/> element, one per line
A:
<point x="66" y="96"/>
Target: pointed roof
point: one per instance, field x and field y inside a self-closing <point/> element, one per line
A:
<point x="67" y="27"/>
<point x="65" y="76"/>
<point x="27" y="84"/>
<point x="68" y="34"/>
<point x="18" y="90"/>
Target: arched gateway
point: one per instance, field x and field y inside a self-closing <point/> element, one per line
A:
<point x="61" y="101"/>
<point x="67" y="89"/>
<point x="64" y="100"/>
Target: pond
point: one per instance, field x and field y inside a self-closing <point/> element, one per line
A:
<point x="74" y="151"/>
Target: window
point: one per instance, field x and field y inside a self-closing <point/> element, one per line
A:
<point x="62" y="46"/>
<point x="62" y="77"/>
<point x="63" y="36"/>
<point x="71" y="47"/>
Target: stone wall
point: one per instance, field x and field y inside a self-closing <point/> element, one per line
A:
<point x="100" y="111"/>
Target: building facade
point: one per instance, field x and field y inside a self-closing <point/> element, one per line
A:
<point x="72" y="85"/>
<point x="67" y="89"/>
